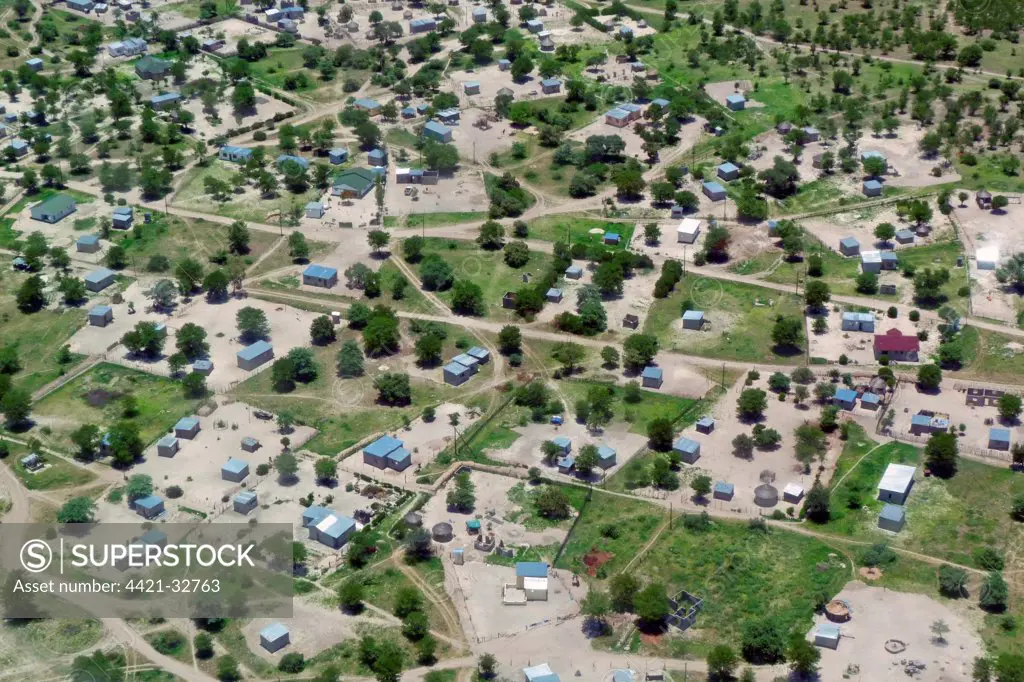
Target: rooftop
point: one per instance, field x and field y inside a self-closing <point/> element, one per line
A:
<point x="255" y="350"/>
<point x="382" y="446"/>
<point x="235" y="466"/>
<point x="652" y="373"/>
<point x="531" y="569"/>
<point x="273" y="632"/>
<point x="320" y="271"/>
<point x="897" y="478"/>
<point x="685" y="444"/>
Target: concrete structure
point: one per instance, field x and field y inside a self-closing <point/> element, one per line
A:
<point x="455" y="374"/>
<point x="98" y="280"/>
<point x="713" y="191"/>
<point x="652" y="377"/>
<point x="19" y="146"/>
<point x="122" y="217"/>
<point x="618" y="118"/>
<point x="896" y="483"/>
<point x="858" y="322"/>
<point x="723" y="491"/>
<point x="149" y="507"/>
<point x="377" y="157"/>
<point x="688" y="449"/>
<point x="88" y="243"/>
<point x="892" y="518"/>
<point x="234" y="154"/>
<point x="736" y="102"/>
<point x="479" y="15"/>
<point x="274" y="637"/>
<point x="693" y="319"/>
<point x="449" y="116"/>
<point x="251" y="357"/>
<point x="437" y="132"/>
<point x="872" y="188"/>
<point x="905" y="237"/>
<point x="728" y="171"/>
<point x="320" y="276"/>
<point x="573" y="272"/>
<point x="871" y="261"/>
<point x="535" y="25"/>
<point x="606" y="457"/>
<point x="845" y="398"/>
<point x="35" y="64"/>
<point x="167" y="446"/>
<point x="532" y="578"/>
<point x="54" y="209"/>
<point x="315" y="209"/>
<point x="987" y="257"/>
<point x="187" y="427"/>
<point x="897" y="345"/>
<point x="244" y="502"/>
<point x="793" y="493"/>
<point x="999" y="439"/>
<point x="234" y="470"/>
<point x="827" y="635"/>
<point x="387" y="453"/>
<point x="101" y="316"/>
<point x="688" y="231"/>
<point x="471" y="88"/>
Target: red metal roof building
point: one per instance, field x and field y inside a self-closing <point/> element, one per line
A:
<point x="895" y="343"/>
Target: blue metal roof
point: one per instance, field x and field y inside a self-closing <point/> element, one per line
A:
<point x="165" y="97"/>
<point x="872" y="184"/>
<point x="245" y="497"/>
<point x="435" y="127"/>
<point x="167" y="441"/>
<point x="187" y="423"/>
<point x="714" y="187"/>
<point x="399" y="456"/>
<point x="724" y="488"/>
<point x="88" y="239"/>
<point x="124" y="210"/>
<point x="382" y="446"/>
<point x="574" y="270"/>
<point x="236" y="151"/>
<point x="652" y="373"/>
<point x="97" y="276"/>
<point x="254" y="351"/>
<point x="567" y="462"/>
<point x="849" y="241"/>
<point x="630" y="107"/>
<point x="320" y="271"/>
<point x="478" y="353"/>
<point x="870" y="398"/>
<point x="456" y="369"/>
<point x="893" y="512"/>
<point x="905" y="234"/>
<point x="921" y="420"/>
<point x="202" y="365"/>
<point x="315" y="514"/>
<point x="341" y="525"/>
<point x="999" y="435"/>
<point x="605" y="452"/>
<point x="872" y="155"/>
<point x="686" y="445"/>
<point x="100" y="310"/>
<point x="858" y="317"/>
<point x="661" y="102"/>
<point x="274" y="632"/>
<point x="472" y="84"/>
<point x="148" y="502"/>
<point x="290" y="157"/>
<point x="612" y="236"/>
<point x="562" y="441"/>
<point x="465" y="359"/>
<point x="728" y="167"/>
<point x="531" y="569"/>
<point x="553" y="291"/>
<point x="889" y="255"/>
<point x="617" y="113"/>
<point x="846" y="395"/>
<point x="706" y="421"/>
<point x="548" y="82"/>
<point x="736" y="98"/>
<point x="235" y="466"/>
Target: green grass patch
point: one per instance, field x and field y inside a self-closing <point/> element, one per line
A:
<point x="45" y="193"/>
<point x="741" y="315"/>
<point x="96" y="398"/>
<point x="991" y="356"/>
<point x="638" y="415"/>
<point x="525" y="496"/>
<point x="173" y="643"/>
<point x="56" y="474"/>
<point x="180" y="238"/>
<point x="577" y="230"/>
<point x="429" y="220"/>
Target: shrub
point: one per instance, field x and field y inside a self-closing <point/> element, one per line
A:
<point x="878" y="555"/>
<point x="174" y="492"/>
<point x="262" y="469"/>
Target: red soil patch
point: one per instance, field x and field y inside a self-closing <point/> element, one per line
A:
<point x="650" y="640"/>
<point x="593" y="560"/>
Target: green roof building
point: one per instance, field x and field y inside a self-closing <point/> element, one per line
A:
<point x="151" y="68"/>
<point x="54" y="209"/>
<point x="353" y="183"/>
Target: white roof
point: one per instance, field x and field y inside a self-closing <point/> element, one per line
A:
<point x="897" y="478"/>
<point x="327" y="522"/>
<point x="793" y="490"/>
<point x="988" y="254"/>
<point x="538" y="671"/>
<point x="871" y="256"/>
<point x="689" y="226"/>
<point x="535" y="583"/>
<point x="401" y="171"/>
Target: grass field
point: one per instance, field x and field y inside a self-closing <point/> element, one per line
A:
<point x="576" y="230"/>
<point x="429" y="220"/>
<point x="37" y="336"/>
<point x="279" y="257"/>
<point x="487" y="269"/>
<point x="193" y="196"/>
<point x="45" y="193"/>
<point x="636" y="415"/>
<point x="180" y="238"/>
<point x="56" y="474"/>
<point x="95" y="398"/>
<point x="741" y="317"/>
<point x="992" y="356"/>
<point x="525" y="496"/>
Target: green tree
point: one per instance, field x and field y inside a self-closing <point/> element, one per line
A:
<point x="995" y="593"/>
<point x="1009" y="407"/>
<point x="393" y="389"/>
<point x="191" y="341"/>
<point x="752" y="403"/>
<point x="941" y="454"/>
<point x="816" y="506"/>
<point x="701" y="486"/>
<point x="622" y="590"/>
<point x="351" y="594"/>
<point x="321" y="331"/>
<point x="763" y="640"/>
<point x="510" y="339"/>
<point x="252" y="324"/>
<point x="462" y="497"/>
<point x="77" y="510"/>
<point x="227" y="669"/>
<point x="660" y="434"/>
<point x="929" y="377"/>
<point x="350" y="360"/>
<point x="651" y="605"/>
<point x="803" y="657"/>
<point x="952" y="581"/>
<point x="722" y="662"/>
<point x="787" y="332"/>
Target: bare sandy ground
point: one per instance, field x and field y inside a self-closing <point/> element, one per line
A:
<point x="526" y="451"/>
<point x="880" y="614"/>
<point x="861" y="223"/>
<point x="233" y="30"/>
<point x="986" y="229"/>
<point x="634" y="144"/>
<point x="911" y="167"/>
<point x="312" y="628"/>
<point x="722" y="89"/>
<point x="461" y="193"/>
<point x="859" y="346"/>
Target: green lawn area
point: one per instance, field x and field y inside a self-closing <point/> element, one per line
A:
<point x="37" y="336"/>
<point x="652" y="405"/>
<point x="576" y="230"/>
<point x="741" y="318"/>
<point x="180" y="238"/>
<point x="525" y="495"/>
<point x="281" y="62"/>
<point x="57" y="473"/>
<point x="992" y="356"/>
<point x="193" y="196"/>
<point x="95" y="398"/>
<point x="45" y="193"/>
<point x="988" y="174"/>
<point x="429" y="220"/>
<point x="344" y="411"/>
<point x="280" y="258"/>
<point x="813" y="195"/>
<point x="485" y="268"/>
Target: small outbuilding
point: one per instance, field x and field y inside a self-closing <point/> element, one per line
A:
<point x="858" y="322"/>
<point x="984" y="199"/>
<point x="896" y="483"/>
<point x="250" y="444"/>
<point x="274" y="637"/>
<point x="688" y="449"/>
<point x="999" y="439"/>
<point x="566" y="464"/>
<point x="32" y="462"/>
<point x="203" y="366"/>
<point x="337" y="156"/>
<point x="706" y="424"/>
<point x="254" y="355"/>
<point x="574" y="272"/>
<point x="827" y="635"/>
<point x="553" y="295"/>
<point x="244" y="502"/>
<point x="320" y="276"/>
<point x="688" y="231"/>
<point x="563" y="444"/>
<point x="723" y="491"/>
<point x="187" y="427"/>
<point x="987" y="257"/>
<point x="54" y="209"/>
<point x="871" y="261"/>
<point x="892" y="518"/>
<point x="728" y="171"/>
<point x="315" y="209"/>
<point x="713" y="191"/>
<point x="101" y="316"/>
<point x="167" y="446"/>
<point x="605" y="457"/>
<point x="693" y="319"/>
<point x="793" y="493"/>
<point x="905" y="237"/>
<point x="149" y="507"/>
<point x="234" y="470"/>
<point x="456" y="374"/>
<point x="845" y="398"/>
<point x="630" y="321"/>
<point x="870" y="401"/>
<point x="481" y="355"/>
<point x="736" y="102"/>
<point x="872" y="188"/>
<point x="848" y="246"/>
<point x="532" y="578"/>
<point x="540" y="673"/>
<point x="612" y="238"/>
<point x="652" y="377"/>
<point x="387" y="453"/>
<point x="88" y="243"/>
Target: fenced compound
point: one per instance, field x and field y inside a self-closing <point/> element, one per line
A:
<point x="685" y="609"/>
